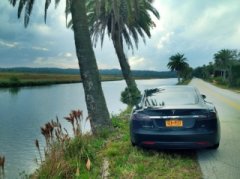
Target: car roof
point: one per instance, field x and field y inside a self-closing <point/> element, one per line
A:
<point x="172" y="87"/>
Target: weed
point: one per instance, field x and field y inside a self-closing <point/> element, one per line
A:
<point x="2" y="165"/>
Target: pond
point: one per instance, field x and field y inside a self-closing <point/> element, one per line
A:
<point x="23" y="111"/>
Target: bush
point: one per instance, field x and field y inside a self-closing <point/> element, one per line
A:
<point x="14" y="80"/>
<point x="235" y="76"/>
<point x="220" y="81"/>
<point x="131" y="96"/>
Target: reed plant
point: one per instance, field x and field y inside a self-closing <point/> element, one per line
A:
<point x="61" y="146"/>
<point x="2" y="164"/>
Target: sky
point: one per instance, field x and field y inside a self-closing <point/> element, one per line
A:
<point x="195" y="28"/>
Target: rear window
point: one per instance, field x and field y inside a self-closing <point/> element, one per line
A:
<point x="170" y="96"/>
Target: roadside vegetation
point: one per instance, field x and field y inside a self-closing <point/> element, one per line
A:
<point x="224" y="71"/>
<point x="108" y="154"/>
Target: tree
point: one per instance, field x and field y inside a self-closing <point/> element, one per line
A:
<point x="187" y="72"/>
<point x="177" y="63"/>
<point x="96" y="105"/>
<point x="123" y="21"/>
<point x="223" y="60"/>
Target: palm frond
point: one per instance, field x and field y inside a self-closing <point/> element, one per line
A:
<point x="47" y="3"/>
<point x="20" y="7"/>
<point x="56" y="3"/>
<point x="28" y="10"/>
<point x="68" y="9"/>
<point x="13" y="2"/>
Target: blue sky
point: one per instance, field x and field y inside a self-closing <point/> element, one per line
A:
<point x="193" y="27"/>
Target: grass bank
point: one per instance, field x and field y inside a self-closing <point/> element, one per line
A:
<point x="36" y="79"/>
<point x="111" y="154"/>
<point x="184" y="82"/>
<point x="219" y="83"/>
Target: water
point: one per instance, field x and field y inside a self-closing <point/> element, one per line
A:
<point x="24" y="111"/>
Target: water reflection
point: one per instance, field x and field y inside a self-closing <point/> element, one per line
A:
<point x="14" y="91"/>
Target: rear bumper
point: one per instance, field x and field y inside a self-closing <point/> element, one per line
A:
<point x="175" y="139"/>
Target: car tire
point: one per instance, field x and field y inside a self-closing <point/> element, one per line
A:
<point x="215" y="146"/>
<point x="133" y="143"/>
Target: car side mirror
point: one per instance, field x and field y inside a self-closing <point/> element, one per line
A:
<point x="203" y="96"/>
<point x="137" y="106"/>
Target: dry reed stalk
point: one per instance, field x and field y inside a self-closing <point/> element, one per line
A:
<point x="2" y="163"/>
<point x="53" y="132"/>
<point x="38" y="148"/>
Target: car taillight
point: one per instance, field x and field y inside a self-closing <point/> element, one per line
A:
<point x="141" y="117"/>
<point x="212" y="115"/>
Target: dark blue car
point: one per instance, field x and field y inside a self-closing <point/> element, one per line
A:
<point x="175" y="117"/>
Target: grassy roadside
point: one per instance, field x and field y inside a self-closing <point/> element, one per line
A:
<point x="184" y="82"/>
<point x="224" y="86"/>
<point x="36" y="79"/>
<point x="122" y="160"/>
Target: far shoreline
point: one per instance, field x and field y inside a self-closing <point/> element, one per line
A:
<point x="18" y="80"/>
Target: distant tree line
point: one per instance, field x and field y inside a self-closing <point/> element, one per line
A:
<point x="225" y="69"/>
<point x="112" y="72"/>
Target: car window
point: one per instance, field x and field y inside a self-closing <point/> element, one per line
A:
<point x="177" y="96"/>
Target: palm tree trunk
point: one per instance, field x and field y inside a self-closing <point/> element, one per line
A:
<point x="126" y="70"/>
<point x="178" y="76"/>
<point x="96" y="105"/>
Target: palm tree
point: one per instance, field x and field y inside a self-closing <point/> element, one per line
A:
<point x="124" y="21"/>
<point x="223" y="61"/>
<point x="94" y="97"/>
<point x="177" y="63"/>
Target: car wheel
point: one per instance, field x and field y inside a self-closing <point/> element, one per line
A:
<point x="215" y="146"/>
<point x="133" y="143"/>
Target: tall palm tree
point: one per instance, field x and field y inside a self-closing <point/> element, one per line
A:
<point x="177" y="63"/>
<point x="94" y="97"/>
<point x="223" y="61"/>
<point x="124" y="21"/>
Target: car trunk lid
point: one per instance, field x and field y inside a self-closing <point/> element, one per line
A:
<point x="176" y="118"/>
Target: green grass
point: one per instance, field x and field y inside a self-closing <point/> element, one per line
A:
<point x="184" y="82"/>
<point x="36" y="79"/>
<point x="220" y="84"/>
<point x="125" y="161"/>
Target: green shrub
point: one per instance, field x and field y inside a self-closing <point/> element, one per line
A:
<point x="220" y="81"/>
<point x="131" y="96"/>
<point x="14" y="80"/>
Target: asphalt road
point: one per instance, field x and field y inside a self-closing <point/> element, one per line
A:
<point x="223" y="163"/>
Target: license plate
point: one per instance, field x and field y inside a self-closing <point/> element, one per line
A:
<point x="174" y="123"/>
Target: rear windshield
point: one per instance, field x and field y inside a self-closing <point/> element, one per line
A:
<point x="170" y="96"/>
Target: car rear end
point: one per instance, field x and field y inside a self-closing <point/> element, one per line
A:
<point x="181" y="126"/>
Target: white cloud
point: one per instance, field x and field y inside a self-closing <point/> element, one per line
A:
<point x="9" y="44"/>
<point x="64" y="60"/>
<point x="164" y="40"/>
<point x="106" y="66"/>
<point x="42" y="29"/>
<point x="140" y="63"/>
<point x="67" y="55"/>
<point x="40" y="48"/>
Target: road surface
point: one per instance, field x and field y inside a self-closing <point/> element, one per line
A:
<point x="223" y="163"/>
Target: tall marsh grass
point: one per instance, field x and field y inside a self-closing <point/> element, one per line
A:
<point x="60" y="147"/>
<point x="2" y="164"/>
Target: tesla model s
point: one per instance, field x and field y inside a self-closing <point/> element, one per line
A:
<point x="175" y="117"/>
